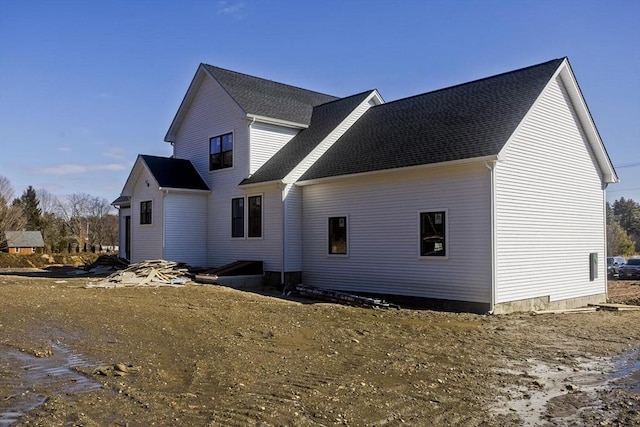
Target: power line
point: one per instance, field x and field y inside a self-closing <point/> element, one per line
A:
<point x="626" y="165"/>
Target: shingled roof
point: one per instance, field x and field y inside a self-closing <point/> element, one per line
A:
<point x="174" y="173"/>
<point x="325" y="118"/>
<point x="24" y="239"/>
<point x="470" y="120"/>
<point x="267" y="98"/>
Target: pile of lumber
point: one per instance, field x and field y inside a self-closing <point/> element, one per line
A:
<point x="152" y="273"/>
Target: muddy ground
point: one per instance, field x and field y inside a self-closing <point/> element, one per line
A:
<point x="209" y="356"/>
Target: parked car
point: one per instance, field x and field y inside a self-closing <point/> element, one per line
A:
<point x="630" y="270"/>
<point x="613" y="265"/>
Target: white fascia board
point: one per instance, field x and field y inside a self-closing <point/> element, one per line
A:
<point x="186" y="102"/>
<point x="451" y="163"/>
<point x="266" y="184"/>
<point x="278" y="122"/>
<point x="587" y="122"/>
<point x="329" y="140"/>
<point x="183" y="190"/>
<point x="127" y="190"/>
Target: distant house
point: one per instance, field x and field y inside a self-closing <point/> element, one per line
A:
<point x="22" y="242"/>
<point x="488" y="195"/>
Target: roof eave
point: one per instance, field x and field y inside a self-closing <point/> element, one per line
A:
<point x="451" y="163"/>
<point x="278" y="122"/>
<point x="184" y="190"/>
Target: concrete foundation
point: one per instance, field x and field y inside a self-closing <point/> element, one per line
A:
<point x="543" y="303"/>
<point x="242" y="282"/>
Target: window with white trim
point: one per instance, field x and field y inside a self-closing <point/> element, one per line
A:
<point x="250" y="208"/>
<point x="338" y="235"/>
<point x="255" y="216"/>
<point x="145" y="212"/>
<point x="221" y="152"/>
<point x="237" y="217"/>
<point x="433" y="230"/>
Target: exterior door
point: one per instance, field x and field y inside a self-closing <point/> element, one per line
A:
<point x="127" y="237"/>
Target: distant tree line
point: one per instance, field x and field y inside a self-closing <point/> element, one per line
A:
<point x="623" y="227"/>
<point x="74" y="223"/>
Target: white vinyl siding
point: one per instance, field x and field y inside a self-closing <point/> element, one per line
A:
<point x="146" y="239"/>
<point x="213" y="112"/>
<point x="384" y="233"/>
<point x="185" y="236"/>
<point x="293" y="228"/>
<point x="549" y="207"/>
<point x="266" y="140"/>
<point x="224" y="249"/>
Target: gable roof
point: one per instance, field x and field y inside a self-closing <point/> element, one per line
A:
<point x="266" y="98"/>
<point x="470" y="120"/>
<point x="259" y="98"/>
<point x="24" y="239"/>
<point x="324" y="120"/>
<point x="172" y="173"/>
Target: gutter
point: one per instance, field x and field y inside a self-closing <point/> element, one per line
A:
<point x="491" y="165"/>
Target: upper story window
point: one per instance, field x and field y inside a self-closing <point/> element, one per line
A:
<point x="221" y="152"/>
<point x="433" y="230"/>
<point x="145" y="212"/>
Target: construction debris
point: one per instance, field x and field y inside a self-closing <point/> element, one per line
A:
<point x="616" y="307"/>
<point x="106" y="264"/>
<point x="340" y="297"/>
<point x="152" y="273"/>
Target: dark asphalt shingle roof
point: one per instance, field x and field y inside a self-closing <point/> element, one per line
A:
<point x="267" y="98"/>
<point x="174" y="173"/>
<point x="24" y="239"/>
<point x="470" y="120"/>
<point x="325" y="118"/>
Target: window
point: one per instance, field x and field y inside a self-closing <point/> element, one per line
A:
<point x="338" y="235"/>
<point x="250" y="209"/>
<point x="237" y="217"/>
<point x="433" y="234"/>
<point x="221" y="152"/>
<point x="145" y="212"/>
<point x="255" y="216"/>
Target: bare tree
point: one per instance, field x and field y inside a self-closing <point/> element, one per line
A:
<point x="12" y="216"/>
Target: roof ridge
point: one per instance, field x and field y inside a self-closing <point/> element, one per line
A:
<point x="268" y="80"/>
<point x="472" y="81"/>
<point x="346" y="97"/>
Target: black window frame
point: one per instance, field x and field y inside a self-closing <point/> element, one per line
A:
<point x="237" y="217"/>
<point x="254" y="216"/>
<point x="221" y="156"/>
<point x="146" y="212"/>
<point x="434" y="233"/>
<point x="338" y="235"/>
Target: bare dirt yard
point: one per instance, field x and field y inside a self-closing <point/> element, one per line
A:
<point x="214" y="356"/>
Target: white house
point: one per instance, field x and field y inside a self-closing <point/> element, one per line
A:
<point x="487" y="196"/>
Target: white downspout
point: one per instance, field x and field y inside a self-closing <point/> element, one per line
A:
<point x="491" y="165"/>
<point x="282" y="188"/>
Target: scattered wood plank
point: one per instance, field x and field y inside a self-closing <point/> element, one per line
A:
<point x="616" y="307"/>
<point x="153" y="273"/>
<point x="342" y="297"/>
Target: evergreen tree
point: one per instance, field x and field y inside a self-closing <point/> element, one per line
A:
<point x="30" y="206"/>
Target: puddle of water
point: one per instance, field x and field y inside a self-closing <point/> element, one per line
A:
<point x="626" y="371"/>
<point x="22" y="375"/>
<point x="531" y="401"/>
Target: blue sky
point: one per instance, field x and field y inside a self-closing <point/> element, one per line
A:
<point x="87" y="85"/>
